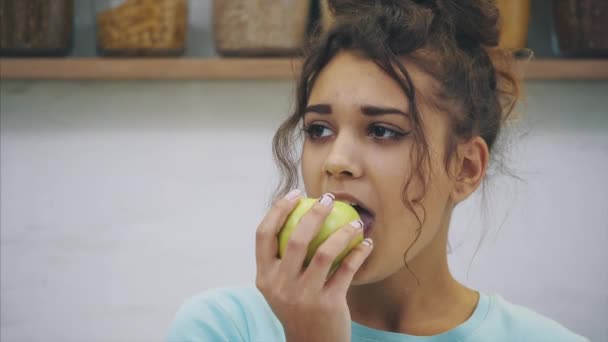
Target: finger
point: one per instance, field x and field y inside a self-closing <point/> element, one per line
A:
<point x="316" y="273"/>
<point x="309" y="225"/>
<point x="266" y="245"/>
<point x="341" y="279"/>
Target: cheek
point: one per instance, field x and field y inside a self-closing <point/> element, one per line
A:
<point x="431" y="212"/>
<point x="405" y="232"/>
<point x="391" y="175"/>
<point x="311" y="166"/>
<point x="428" y="202"/>
<point x="428" y="184"/>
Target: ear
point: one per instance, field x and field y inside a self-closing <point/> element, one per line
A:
<point x="471" y="160"/>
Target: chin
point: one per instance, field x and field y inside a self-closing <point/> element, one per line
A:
<point x="364" y="275"/>
<point x="357" y="282"/>
<point x="370" y="273"/>
<point x="361" y="279"/>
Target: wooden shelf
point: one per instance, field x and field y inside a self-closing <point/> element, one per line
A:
<point x="237" y="69"/>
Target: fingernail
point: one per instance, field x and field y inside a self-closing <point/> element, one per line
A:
<point x="368" y="242"/>
<point x="357" y="224"/>
<point x="327" y="199"/>
<point x="293" y="194"/>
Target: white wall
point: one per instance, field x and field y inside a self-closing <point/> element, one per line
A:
<point x="119" y="200"/>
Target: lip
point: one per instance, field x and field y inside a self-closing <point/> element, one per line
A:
<point x="367" y="230"/>
<point x="347" y="197"/>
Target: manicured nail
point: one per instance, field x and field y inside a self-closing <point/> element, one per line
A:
<point x="293" y="194"/>
<point x="357" y="224"/>
<point x="327" y="199"/>
<point x="368" y="242"/>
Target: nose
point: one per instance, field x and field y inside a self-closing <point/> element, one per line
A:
<point x="343" y="159"/>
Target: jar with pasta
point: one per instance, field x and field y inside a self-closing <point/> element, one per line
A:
<point x="141" y="27"/>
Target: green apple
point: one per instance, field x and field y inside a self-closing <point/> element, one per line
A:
<point x="340" y="215"/>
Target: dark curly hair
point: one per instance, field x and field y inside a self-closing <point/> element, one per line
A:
<point x="454" y="41"/>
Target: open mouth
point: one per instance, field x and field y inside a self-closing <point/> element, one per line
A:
<point x="367" y="217"/>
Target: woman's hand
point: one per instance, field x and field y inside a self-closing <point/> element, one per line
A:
<point x="309" y="306"/>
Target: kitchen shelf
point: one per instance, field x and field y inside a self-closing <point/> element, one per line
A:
<point x="237" y="69"/>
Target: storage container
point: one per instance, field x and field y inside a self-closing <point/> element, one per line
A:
<point x="514" y="21"/>
<point x="261" y="27"/>
<point x="36" y="27"/>
<point x="141" y="27"/>
<point x="581" y="27"/>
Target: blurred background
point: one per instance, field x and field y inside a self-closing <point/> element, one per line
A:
<point x="123" y="193"/>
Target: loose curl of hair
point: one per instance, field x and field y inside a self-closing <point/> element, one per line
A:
<point x="453" y="41"/>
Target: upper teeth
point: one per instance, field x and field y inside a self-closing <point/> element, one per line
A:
<point x="352" y="203"/>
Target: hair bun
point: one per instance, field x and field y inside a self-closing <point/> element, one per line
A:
<point x="471" y="21"/>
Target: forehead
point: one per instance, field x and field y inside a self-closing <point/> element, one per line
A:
<point x="351" y="79"/>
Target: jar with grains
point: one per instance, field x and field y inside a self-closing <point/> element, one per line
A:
<point x="36" y="27"/>
<point x="141" y="27"/>
<point x="515" y="21"/>
<point x="261" y="27"/>
<point x="581" y="28"/>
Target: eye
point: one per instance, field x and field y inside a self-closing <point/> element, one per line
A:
<point x="383" y="132"/>
<point x="316" y="131"/>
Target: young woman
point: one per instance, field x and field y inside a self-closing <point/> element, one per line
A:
<point x="400" y="103"/>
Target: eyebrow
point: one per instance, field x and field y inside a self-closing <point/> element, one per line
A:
<point x="368" y="110"/>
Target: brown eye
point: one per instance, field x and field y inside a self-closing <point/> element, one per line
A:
<point x="382" y="132"/>
<point x="316" y="131"/>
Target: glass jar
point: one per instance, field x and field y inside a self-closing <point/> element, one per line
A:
<point x="260" y="27"/>
<point x="141" y="27"/>
<point x="36" y="27"/>
<point x="515" y="20"/>
<point x="581" y="28"/>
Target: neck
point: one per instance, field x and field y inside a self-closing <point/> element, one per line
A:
<point x="398" y="304"/>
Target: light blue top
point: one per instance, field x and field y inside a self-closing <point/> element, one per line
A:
<point x="242" y="314"/>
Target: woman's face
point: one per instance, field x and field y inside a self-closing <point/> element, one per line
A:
<point x="358" y="146"/>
